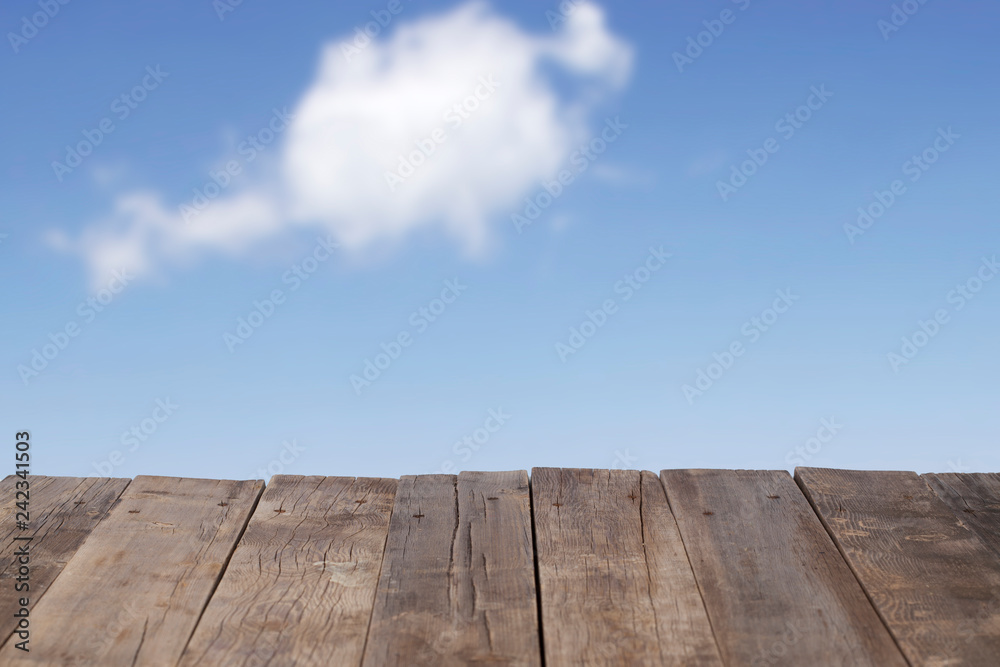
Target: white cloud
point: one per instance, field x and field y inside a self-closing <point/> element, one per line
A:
<point x="365" y="111"/>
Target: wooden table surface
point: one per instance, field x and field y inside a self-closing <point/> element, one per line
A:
<point x="567" y="567"/>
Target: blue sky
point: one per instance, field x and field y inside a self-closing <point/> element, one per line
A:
<point x="678" y="271"/>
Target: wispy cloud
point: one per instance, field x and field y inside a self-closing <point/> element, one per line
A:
<point x="390" y="110"/>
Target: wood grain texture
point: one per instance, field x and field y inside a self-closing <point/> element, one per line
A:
<point x="615" y="585"/>
<point x="133" y="592"/>
<point x="684" y="631"/>
<point x="777" y="590"/>
<point x="975" y="500"/>
<point x="62" y="512"/>
<point x="457" y="584"/>
<point x="300" y="586"/>
<point x="935" y="584"/>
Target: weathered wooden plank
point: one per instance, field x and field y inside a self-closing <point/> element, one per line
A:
<point x="62" y="512"/>
<point x="300" y="586"/>
<point x="457" y="584"/>
<point x="975" y="500"/>
<point x="935" y="584"/>
<point x="777" y="590"/>
<point x="133" y="592"/>
<point x="683" y="628"/>
<point x="615" y="585"/>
